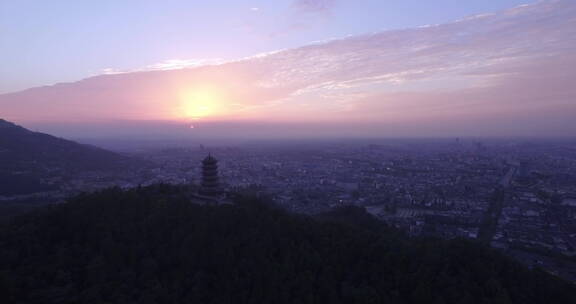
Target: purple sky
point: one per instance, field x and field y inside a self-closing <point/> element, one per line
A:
<point x="46" y="42"/>
<point x="502" y="73"/>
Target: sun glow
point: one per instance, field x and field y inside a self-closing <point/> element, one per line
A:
<point x="199" y="103"/>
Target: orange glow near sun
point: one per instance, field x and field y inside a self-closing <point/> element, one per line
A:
<point x="201" y="103"/>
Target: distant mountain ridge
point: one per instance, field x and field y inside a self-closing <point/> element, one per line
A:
<point x="28" y="157"/>
<point x="20" y="144"/>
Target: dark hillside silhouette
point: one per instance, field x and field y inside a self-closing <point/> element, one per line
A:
<point x="152" y="245"/>
<point x="27" y="157"/>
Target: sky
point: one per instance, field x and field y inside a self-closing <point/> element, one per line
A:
<point x="324" y="68"/>
<point x="47" y="42"/>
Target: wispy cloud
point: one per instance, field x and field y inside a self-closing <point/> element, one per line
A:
<point x="304" y="15"/>
<point x="166" y="65"/>
<point x="314" y="6"/>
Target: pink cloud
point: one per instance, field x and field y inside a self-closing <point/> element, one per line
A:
<point x="514" y="68"/>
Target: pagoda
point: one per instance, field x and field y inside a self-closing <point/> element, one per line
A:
<point x="210" y="183"/>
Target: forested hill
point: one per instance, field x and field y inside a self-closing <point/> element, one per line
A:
<point x="151" y="245"/>
<point x="27" y="158"/>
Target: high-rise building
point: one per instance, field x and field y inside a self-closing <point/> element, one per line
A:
<point x="210" y="182"/>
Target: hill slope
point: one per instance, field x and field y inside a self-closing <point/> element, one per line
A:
<point x="27" y="157"/>
<point x="151" y="245"/>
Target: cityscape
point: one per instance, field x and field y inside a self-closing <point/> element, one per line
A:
<point x="517" y="195"/>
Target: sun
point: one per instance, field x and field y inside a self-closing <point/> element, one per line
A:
<point x="198" y="103"/>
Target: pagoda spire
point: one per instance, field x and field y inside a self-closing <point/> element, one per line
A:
<point x="210" y="182"/>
